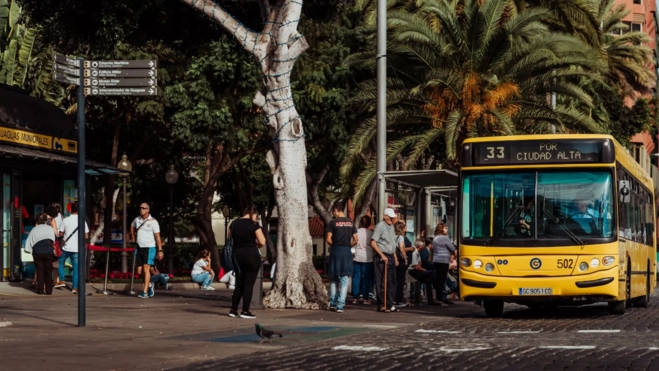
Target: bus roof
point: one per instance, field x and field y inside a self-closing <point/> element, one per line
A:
<point x="540" y="137"/>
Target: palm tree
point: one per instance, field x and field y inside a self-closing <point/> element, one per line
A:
<point x="627" y="56"/>
<point x="465" y="68"/>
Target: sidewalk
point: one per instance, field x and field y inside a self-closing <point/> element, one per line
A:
<point x="174" y="329"/>
<point x="24" y="288"/>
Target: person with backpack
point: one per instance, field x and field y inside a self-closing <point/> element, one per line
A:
<point x="69" y="232"/>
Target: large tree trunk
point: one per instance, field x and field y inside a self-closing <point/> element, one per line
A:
<point x="275" y="50"/>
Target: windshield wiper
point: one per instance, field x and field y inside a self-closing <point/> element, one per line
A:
<point x="505" y="224"/>
<point x="565" y="229"/>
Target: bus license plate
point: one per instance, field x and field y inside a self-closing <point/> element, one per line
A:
<point x="535" y="291"/>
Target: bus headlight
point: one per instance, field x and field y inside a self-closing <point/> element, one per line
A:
<point x="583" y="266"/>
<point x="489" y="267"/>
<point x="466" y="262"/>
<point x="608" y="260"/>
<point x="478" y="264"/>
<point x="594" y="263"/>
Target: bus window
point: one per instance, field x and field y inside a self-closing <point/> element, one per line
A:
<point x="495" y="204"/>
<point x="580" y="201"/>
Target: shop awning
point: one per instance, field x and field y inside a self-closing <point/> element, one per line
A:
<point x="91" y="167"/>
<point x="434" y="180"/>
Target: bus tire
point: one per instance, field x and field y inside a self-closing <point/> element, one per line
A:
<point x="493" y="308"/>
<point x="617" y="307"/>
<point x="644" y="300"/>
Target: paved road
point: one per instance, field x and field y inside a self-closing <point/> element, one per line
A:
<point x="585" y="338"/>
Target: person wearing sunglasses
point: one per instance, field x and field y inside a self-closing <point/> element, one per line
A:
<point x="145" y="230"/>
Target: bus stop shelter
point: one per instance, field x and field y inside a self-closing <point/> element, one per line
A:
<point x="431" y="187"/>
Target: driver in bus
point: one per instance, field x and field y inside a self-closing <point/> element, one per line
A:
<point x="584" y="214"/>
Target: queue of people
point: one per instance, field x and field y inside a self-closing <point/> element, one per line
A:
<point x="388" y="257"/>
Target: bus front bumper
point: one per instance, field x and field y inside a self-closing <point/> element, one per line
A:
<point x="597" y="286"/>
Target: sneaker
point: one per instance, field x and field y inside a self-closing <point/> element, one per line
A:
<point x="169" y="288"/>
<point x="210" y="288"/>
<point x="399" y="305"/>
<point x="143" y="295"/>
<point x="247" y="315"/>
<point x="339" y="311"/>
<point x="59" y="284"/>
<point x="74" y="291"/>
<point x="332" y="309"/>
<point x="232" y="287"/>
<point x="151" y="291"/>
<point x="233" y="313"/>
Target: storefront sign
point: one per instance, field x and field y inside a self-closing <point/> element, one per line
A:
<point x="47" y="142"/>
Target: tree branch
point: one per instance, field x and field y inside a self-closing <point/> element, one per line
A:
<point x="247" y="37"/>
<point x="265" y="10"/>
<point x="313" y="192"/>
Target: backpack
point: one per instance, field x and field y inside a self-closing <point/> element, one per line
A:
<point x="228" y="257"/>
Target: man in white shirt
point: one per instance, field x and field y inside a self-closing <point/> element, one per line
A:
<point x="146" y="231"/>
<point x="69" y="231"/>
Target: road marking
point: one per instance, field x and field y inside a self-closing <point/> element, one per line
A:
<point x="438" y="331"/>
<point x="359" y="348"/>
<point x="380" y="326"/>
<point x="518" y="332"/>
<point x="598" y="331"/>
<point x="449" y="350"/>
<point x="653" y="348"/>
<point x="568" y="347"/>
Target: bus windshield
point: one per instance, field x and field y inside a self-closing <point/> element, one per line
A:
<point x="538" y="205"/>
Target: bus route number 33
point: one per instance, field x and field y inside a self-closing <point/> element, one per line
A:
<point x="493" y="152"/>
<point x="565" y="263"/>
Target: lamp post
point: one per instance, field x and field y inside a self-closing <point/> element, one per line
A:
<point x="171" y="177"/>
<point x="225" y="213"/>
<point x="126" y="166"/>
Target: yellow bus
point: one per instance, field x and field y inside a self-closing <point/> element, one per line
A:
<point x="549" y="220"/>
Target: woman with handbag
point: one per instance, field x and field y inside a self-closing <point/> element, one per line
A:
<point x="247" y="237"/>
<point x="40" y="244"/>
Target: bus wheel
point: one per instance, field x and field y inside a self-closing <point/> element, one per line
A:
<point x="493" y="308"/>
<point x="617" y="307"/>
<point x="644" y="300"/>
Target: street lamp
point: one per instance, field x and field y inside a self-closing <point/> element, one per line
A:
<point x="225" y="213"/>
<point x="171" y="177"/>
<point x="126" y="166"/>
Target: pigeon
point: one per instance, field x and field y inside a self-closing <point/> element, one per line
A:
<point x="265" y="334"/>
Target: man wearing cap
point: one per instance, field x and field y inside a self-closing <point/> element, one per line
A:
<point x="384" y="246"/>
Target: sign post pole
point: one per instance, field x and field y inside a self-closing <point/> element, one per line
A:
<point x="82" y="212"/>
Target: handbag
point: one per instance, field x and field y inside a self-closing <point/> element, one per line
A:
<point x="58" y="249"/>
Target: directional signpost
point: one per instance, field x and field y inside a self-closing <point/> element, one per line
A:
<point x="138" y="78"/>
<point x="121" y="91"/>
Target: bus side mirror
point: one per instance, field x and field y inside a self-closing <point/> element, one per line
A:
<point x="624" y="192"/>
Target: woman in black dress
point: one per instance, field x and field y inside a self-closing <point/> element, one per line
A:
<point x="247" y="238"/>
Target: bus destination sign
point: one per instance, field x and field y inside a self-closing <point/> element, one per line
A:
<point x="537" y="152"/>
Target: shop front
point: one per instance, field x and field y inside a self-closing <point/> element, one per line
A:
<point x="38" y="168"/>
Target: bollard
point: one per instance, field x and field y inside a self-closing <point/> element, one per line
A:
<point x="107" y="269"/>
<point x="132" y="275"/>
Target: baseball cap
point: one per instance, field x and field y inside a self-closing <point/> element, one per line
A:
<point x="390" y="213"/>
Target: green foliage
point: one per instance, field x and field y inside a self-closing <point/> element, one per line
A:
<point x="468" y="68"/>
